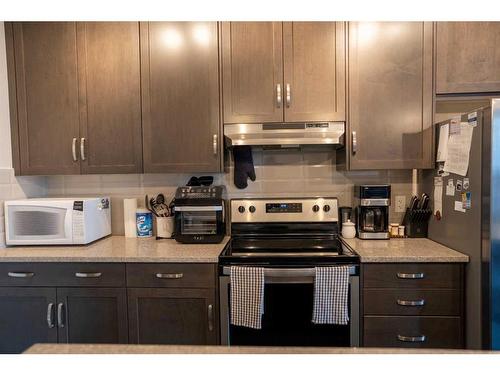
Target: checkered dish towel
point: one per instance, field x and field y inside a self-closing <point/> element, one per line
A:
<point x="247" y="296"/>
<point x="331" y="288"/>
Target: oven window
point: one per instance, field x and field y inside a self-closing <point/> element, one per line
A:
<point x="201" y="222"/>
<point x="287" y="321"/>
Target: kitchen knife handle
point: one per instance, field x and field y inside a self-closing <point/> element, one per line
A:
<point x="279" y="98"/>
<point x="419" y="275"/>
<point x="170" y="275"/>
<point x="419" y="302"/>
<point x="354" y="143"/>
<point x="60" y="320"/>
<point x="50" y="315"/>
<point x="419" y="338"/>
<point x="210" y="310"/>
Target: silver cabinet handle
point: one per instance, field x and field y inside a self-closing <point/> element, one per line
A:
<point x="214" y="144"/>
<point x="88" y="274"/>
<point x="21" y="274"/>
<point x="419" y="302"/>
<point x="419" y="275"/>
<point x="60" y="321"/>
<point x="73" y="149"/>
<point x="50" y="313"/>
<point x="170" y="275"/>
<point x="354" y="141"/>
<point x="288" y="95"/>
<point x="210" y="317"/>
<point x="420" y="338"/>
<point x="82" y="148"/>
<point x="279" y="98"/>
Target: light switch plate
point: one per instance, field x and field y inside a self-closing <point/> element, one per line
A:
<point x="400" y="203"/>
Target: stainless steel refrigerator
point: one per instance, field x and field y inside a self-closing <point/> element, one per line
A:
<point x="476" y="232"/>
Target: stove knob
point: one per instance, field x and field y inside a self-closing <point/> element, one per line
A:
<point x="241" y="209"/>
<point x="326" y="208"/>
<point x="251" y="209"/>
<point x="315" y="208"/>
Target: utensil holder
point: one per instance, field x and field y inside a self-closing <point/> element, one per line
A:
<point x="164" y="227"/>
<point x="417" y="222"/>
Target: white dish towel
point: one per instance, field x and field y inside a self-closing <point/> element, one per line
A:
<point x="331" y="295"/>
<point x="247" y="296"/>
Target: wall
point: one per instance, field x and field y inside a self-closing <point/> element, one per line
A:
<point x="280" y="173"/>
<point x="11" y="187"/>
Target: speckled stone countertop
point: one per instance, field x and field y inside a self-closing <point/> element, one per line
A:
<point x="118" y="249"/>
<point x="200" y="349"/>
<point x="404" y="250"/>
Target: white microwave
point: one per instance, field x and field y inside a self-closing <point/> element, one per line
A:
<point x="57" y="221"/>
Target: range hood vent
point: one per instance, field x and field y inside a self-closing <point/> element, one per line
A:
<point x="285" y="134"/>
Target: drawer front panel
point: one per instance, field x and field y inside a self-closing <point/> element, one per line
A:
<point x="413" y="332"/>
<point x="412" y="302"/>
<point x="62" y="274"/>
<point x="171" y="275"/>
<point x="412" y="275"/>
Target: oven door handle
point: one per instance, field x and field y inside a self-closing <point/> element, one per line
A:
<point x="197" y="208"/>
<point x="289" y="272"/>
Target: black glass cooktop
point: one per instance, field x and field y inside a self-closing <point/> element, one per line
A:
<point x="285" y="250"/>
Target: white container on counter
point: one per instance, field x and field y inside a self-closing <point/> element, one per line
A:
<point x="401" y="231"/>
<point x="348" y="229"/>
<point x="164" y="227"/>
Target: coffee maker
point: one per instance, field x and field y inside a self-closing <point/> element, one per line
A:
<point x="372" y="211"/>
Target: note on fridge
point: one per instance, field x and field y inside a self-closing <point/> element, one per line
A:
<point x="459" y="206"/>
<point x="450" y="188"/>
<point x="438" y="196"/>
<point x="457" y="158"/>
<point x="444" y="132"/>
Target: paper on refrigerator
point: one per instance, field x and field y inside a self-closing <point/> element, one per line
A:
<point x="444" y="133"/>
<point x="457" y="158"/>
<point x="438" y="196"/>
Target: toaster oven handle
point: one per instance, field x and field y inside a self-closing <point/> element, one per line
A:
<point x="198" y="208"/>
<point x="21" y="274"/>
<point x="169" y="275"/>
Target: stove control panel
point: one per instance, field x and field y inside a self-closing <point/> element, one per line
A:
<point x="284" y="210"/>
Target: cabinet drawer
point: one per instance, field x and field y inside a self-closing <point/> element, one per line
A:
<point x="412" y="275"/>
<point x="171" y="275"/>
<point x="62" y="274"/>
<point x="412" y="302"/>
<point x="427" y="332"/>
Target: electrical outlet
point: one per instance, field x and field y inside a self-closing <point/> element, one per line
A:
<point x="400" y="203"/>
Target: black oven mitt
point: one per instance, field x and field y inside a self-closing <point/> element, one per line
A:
<point x="243" y="166"/>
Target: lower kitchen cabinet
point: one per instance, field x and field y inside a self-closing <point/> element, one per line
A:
<point x="417" y="305"/>
<point x="27" y="316"/>
<point x="172" y="316"/>
<point x="92" y="315"/>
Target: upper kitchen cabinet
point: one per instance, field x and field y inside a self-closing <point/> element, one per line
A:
<point x="110" y="119"/>
<point x="390" y="95"/>
<point x="467" y="57"/>
<point x="44" y="81"/>
<point x="75" y="97"/>
<point x="180" y="97"/>
<point x="292" y="71"/>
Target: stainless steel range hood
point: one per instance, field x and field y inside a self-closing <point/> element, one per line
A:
<point x="285" y="134"/>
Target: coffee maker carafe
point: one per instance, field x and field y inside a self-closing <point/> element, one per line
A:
<point x="372" y="212"/>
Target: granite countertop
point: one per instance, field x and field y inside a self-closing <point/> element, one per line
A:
<point x="213" y="349"/>
<point x="404" y="250"/>
<point x="118" y="249"/>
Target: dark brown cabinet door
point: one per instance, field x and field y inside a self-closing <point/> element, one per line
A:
<point x="390" y="95"/>
<point x="314" y="71"/>
<point x="111" y="85"/>
<point x="252" y="70"/>
<point x="172" y="316"/>
<point x="46" y="71"/>
<point x="27" y="317"/>
<point x="467" y="57"/>
<point x="92" y="315"/>
<point x="180" y="96"/>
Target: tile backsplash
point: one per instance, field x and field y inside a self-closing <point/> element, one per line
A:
<point x="287" y="173"/>
<point x="12" y="187"/>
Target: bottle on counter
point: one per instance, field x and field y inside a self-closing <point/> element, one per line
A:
<point x="144" y="222"/>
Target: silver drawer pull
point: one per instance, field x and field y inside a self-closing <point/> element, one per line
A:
<point x="419" y="275"/>
<point x="420" y="338"/>
<point x="210" y="318"/>
<point x="50" y="312"/>
<point x="60" y="321"/>
<point x="419" y="302"/>
<point x="170" y="275"/>
<point x="88" y="274"/>
<point x="21" y="274"/>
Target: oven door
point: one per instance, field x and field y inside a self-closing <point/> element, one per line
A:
<point x="288" y="306"/>
<point x="199" y="224"/>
